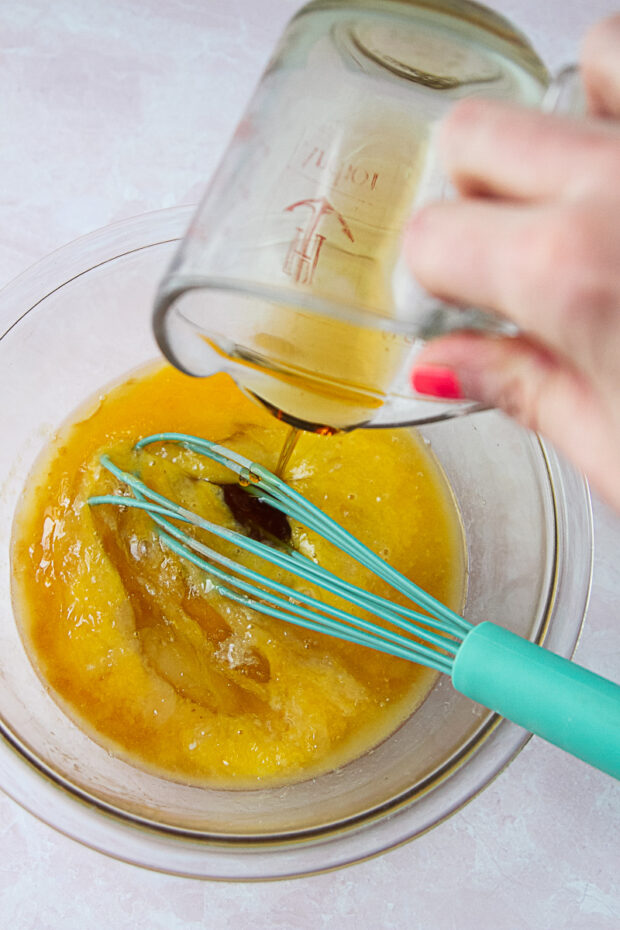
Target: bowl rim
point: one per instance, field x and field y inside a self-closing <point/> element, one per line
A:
<point x="85" y="819"/>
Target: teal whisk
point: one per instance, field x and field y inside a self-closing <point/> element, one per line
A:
<point x="550" y="696"/>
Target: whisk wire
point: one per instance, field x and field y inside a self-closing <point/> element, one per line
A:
<point x="361" y="631"/>
<point x="297" y="506"/>
<point x="296" y="563"/>
<point x="356" y="630"/>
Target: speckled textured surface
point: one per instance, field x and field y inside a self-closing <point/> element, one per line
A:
<point x="109" y="109"/>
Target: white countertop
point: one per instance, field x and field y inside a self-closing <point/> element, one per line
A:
<point x="110" y="108"/>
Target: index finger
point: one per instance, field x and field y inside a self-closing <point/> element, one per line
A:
<point x="492" y="149"/>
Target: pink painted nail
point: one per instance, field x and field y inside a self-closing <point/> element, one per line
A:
<point x="436" y="382"/>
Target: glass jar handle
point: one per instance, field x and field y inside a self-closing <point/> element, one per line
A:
<point x="565" y="95"/>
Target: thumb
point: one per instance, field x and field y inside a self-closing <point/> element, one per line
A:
<point x="540" y="390"/>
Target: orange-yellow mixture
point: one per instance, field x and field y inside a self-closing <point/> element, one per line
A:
<point x="142" y="651"/>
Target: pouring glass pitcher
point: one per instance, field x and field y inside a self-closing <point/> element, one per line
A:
<point x="290" y="277"/>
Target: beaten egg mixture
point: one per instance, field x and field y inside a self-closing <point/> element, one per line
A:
<point x="141" y="650"/>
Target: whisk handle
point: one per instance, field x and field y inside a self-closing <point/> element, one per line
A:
<point x="564" y="703"/>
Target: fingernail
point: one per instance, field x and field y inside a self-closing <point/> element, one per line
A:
<point x="436" y="382"/>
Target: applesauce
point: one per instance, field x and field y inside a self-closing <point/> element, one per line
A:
<point x="138" y="646"/>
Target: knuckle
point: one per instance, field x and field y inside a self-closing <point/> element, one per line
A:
<point x="469" y="118"/>
<point x="568" y="240"/>
<point x="517" y="399"/>
<point x="609" y="164"/>
<point x="526" y="388"/>
<point x="566" y="258"/>
<point x="465" y="112"/>
<point x="601" y="161"/>
<point x="567" y="288"/>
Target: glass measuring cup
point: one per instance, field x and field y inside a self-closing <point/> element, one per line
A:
<point x="290" y="277"/>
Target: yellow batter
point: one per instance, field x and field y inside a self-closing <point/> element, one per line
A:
<point x="141" y="650"/>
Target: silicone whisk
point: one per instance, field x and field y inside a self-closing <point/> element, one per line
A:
<point x="548" y="695"/>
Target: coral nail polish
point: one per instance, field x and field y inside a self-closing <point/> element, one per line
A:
<point x="436" y="382"/>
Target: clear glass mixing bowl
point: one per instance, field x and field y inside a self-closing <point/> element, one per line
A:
<point x="79" y="320"/>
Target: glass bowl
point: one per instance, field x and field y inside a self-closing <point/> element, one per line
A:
<point x="80" y="320"/>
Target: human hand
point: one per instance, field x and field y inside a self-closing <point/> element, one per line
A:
<point x="535" y="237"/>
